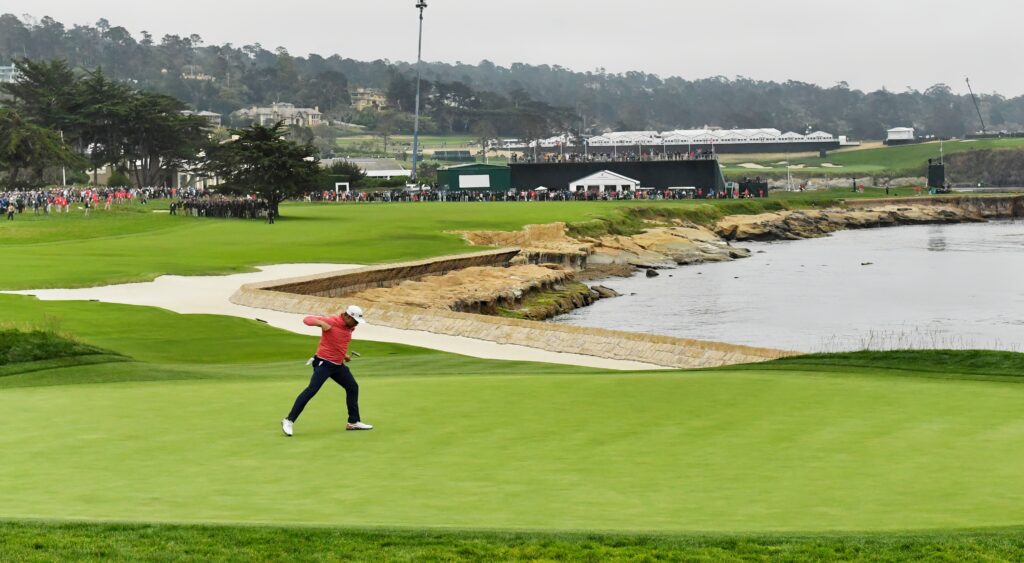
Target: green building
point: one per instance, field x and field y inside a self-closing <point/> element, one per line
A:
<point x="475" y="176"/>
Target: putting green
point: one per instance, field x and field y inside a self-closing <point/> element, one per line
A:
<point x="719" y="450"/>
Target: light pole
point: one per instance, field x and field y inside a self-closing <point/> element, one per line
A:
<point x="420" y="5"/>
<point x="63" y="169"/>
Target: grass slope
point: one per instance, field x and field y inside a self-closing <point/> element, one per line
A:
<point x="902" y="160"/>
<point x="169" y="346"/>
<point x="957" y="364"/>
<point x="19" y="346"/>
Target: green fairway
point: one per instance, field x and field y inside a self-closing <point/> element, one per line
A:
<point x="369" y="143"/>
<point x="900" y="160"/>
<point x="136" y="244"/>
<point x="59" y="251"/>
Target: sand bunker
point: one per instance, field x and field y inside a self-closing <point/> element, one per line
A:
<point x="211" y="295"/>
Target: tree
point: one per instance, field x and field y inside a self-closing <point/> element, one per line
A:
<point x="261" y="161"/>
<point x="101" y="114"/>
<point x="28" y="148"/>
<point x="45" y="93"/>
<point x="346" y="171"/>
<point x="386" y="124"/>
<point x="401" y="92"/>
<point x="143" y="133"/>
<point x="118" y="179"/>
<point x="457" y="95"/>
<point x="157" y="138"/>
<point x="485" y="132"/>
<point x="328" y="91"/>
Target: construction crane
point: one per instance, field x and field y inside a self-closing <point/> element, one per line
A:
<point x="976" y="106"/>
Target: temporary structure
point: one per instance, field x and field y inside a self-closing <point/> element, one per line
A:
<point x="604" y="181"/>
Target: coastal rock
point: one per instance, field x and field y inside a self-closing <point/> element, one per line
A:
<point x="803" y="224"/>
<point x="604" y="292"/>
<point x="661" y="247"/>
<point x="652" y="273"/>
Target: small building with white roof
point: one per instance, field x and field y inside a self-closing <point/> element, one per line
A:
<point x="899" y="135"/>
<point x="604" y="181"/>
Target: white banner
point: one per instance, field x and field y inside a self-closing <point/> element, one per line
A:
<point x="475" y="181"/>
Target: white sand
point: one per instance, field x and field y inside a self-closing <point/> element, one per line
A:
<point x="830" y="165"/>
<point x="752" y="165"/>
<point x="211" y="295"/>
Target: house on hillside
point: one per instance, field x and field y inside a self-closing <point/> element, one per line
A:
<point x="280" y="111"/>
<point x="8" y="74"/>
<point x="212" y="117"/>
<point x="369" y="98"/>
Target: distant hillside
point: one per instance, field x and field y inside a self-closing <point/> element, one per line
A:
<point x="458" y="97"/>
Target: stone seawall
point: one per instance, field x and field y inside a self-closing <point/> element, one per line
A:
<point x="812" y="223"/>
<point x="314" y="295"/>
<point x="388" y="275"/>
<point x="987" y="206"/>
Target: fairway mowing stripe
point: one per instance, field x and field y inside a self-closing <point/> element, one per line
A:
<point x="657" y="452"/>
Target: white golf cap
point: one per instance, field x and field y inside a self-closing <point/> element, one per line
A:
<point x="356" y="312"/>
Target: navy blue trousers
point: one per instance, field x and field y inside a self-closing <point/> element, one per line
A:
<point x="322" y="371"/>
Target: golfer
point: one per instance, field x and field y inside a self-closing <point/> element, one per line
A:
<point x="329" y="362"/>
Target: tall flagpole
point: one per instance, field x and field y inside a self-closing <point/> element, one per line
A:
<point x="421" y="4"/>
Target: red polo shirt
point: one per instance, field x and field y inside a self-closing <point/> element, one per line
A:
<point x="333" y="343"/>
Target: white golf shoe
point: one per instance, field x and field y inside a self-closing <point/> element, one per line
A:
<point x="286" y="426"/>
<point x="358" y="426"/>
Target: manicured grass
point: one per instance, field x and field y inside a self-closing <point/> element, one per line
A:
<point x="190" y="433"/>
<point x="19" y="346"/>
<point x="129" y="245"/>
<point x="902" y="160"/>
<point x="133" y="542"/>
<point x="959" y="364"/>
<point x="187" y="431"/>
<point x="722" y="451"/>
<point x="339" y="233"/>
<point x="427" y="142"/>
<point x="173" y="346"/>
<point x="122" y="221"/>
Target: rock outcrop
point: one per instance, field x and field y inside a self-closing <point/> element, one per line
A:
<point x="661" y="247"/>
<point x="803" y="224"/>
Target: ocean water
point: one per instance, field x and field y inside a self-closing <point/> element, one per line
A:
<point x="926" y="286"/>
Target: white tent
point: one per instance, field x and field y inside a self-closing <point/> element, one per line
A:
<point x="604" y="181"/>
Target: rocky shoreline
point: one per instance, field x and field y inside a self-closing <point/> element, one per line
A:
<point x="547" y="278"/>
<point x="804" y="224"/>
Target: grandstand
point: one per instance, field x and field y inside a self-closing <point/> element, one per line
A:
<point x="705" y="175"/>
<point x="685" y="140"/>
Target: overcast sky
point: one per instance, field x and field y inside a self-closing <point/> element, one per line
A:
<point x="868" y="43"/>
